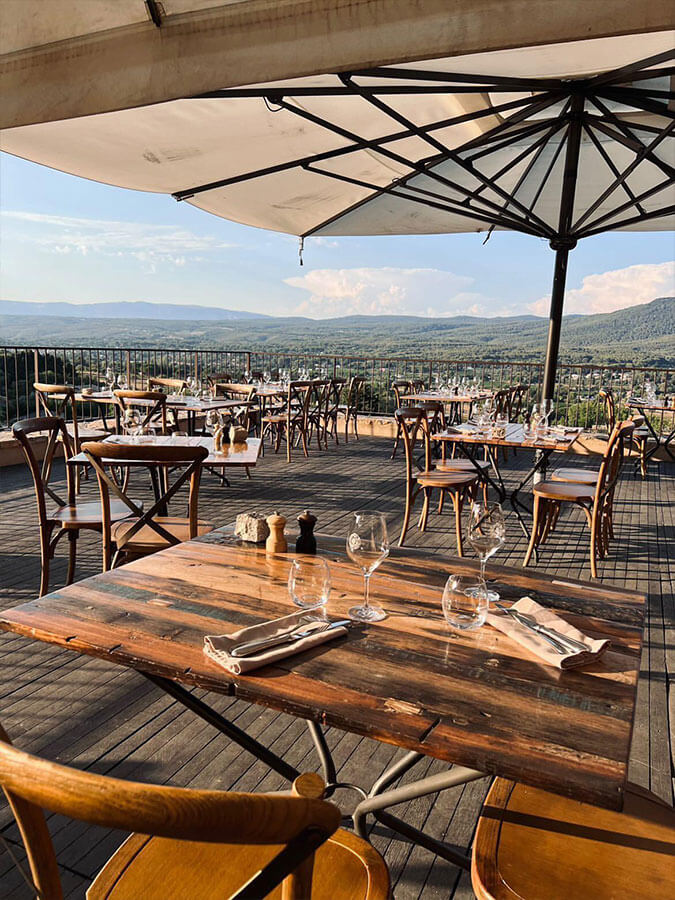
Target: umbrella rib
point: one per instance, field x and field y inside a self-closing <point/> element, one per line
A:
<point x="655" y="214"/>
<point x="609" y="162"/>
<point x="448" y="154"/>
<point x="645" y="195"/>
<point x="632" y="142"/>
<point x="391" y="190"/>
<point x="507" y="81"/>
<point x="341" y="151"/>
<point x="527" y="131"/>
<point x="638" y="102"/>
<point x="547" y="174"/>
<point x="620" y="74"/>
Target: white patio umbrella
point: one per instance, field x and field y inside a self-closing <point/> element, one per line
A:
<point x="561" y="141"/>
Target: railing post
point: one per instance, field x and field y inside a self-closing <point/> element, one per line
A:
<point x="128" y="352"/>
<point x="36" y="377"/>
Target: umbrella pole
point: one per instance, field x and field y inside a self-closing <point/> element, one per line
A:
<point x="555" y="320"/>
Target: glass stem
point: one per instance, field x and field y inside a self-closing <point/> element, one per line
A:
<point x="366" y="589"/>
<point x="483" y="560"/>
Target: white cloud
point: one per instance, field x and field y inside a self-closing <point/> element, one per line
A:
<point x="149" y="244"/>
<point x="388" y="291"/>
<point x="616" y="289"/>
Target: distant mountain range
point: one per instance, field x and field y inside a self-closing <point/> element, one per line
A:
<point x="638" y="335"/>
<point x="131" y="309"/>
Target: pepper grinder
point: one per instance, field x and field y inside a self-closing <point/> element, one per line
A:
<point x="306" y="542"/>
<point x="276" y="542"/>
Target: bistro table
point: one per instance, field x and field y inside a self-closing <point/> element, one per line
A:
<point x="467" y="437"/>
<point x="451" y="399"/>
<point x="474" y="699"/>
<point x="644" y="408"/>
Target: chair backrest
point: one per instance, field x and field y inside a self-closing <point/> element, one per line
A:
<point x="334" y="395"/>
<point x="32" y="785"/>
<point x="415" y="432"/>
<point x="435" y="411"/>
<point x="56" y="431"/>
<point x="173" y="384"/>
<point x="102" y="453"/>
<point x="417" y="385"/>
<point x="234" y="391"/>
<point x="516" y="402"/>
<point x="152" y="405"/>
<point x="355" y="389"/>
<point x="218" y="378"/>
<point x="501" y="402"/>
<point x="607" y="396"/>
<point x="256" y="376"/>
<point x="400" y="388"/>
<point x="59" y="400"/>
<point x="612" y="460"/>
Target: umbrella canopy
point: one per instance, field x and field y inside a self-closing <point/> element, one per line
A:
<point x="560" y="141"/>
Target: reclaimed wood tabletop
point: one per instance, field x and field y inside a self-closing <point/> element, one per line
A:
<point x="514" y="436"/>
<point x="472" y="698"/>
<point x="245" y="453"/>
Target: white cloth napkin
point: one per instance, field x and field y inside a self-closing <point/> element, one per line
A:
<point x="218" y="646"/>
<point x="539" y="645"/>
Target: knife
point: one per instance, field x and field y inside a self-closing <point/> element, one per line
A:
<point x="286" y="637"/>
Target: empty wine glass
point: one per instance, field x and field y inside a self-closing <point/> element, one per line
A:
<point x="465" y="604"/>
<point x="109" y="378"/>
<point x="309" y="582"/>
<point x="122" y="382"/>
<point x="368" y="547"/>
<point x="132" y="422"/>
<point x="487" y="534"/>
<point x="547" y="412"/>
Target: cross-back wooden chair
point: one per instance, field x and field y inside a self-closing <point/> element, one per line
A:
<point x="68" y="517"/>
<point x="291" y="423"/>
<point x="187" y="843"/>
<point x="596" y="500"/>
<point x="640" y="435"/>
<point x="59" y="400"/>
<point x="531" y="844"/>
<point x="218" y="378"/>
<point x="317" y="412"/>
<point x="333" y="408"/>
<point x="153" y="529"/>
<point x="460" y="485"/>
<point x="175" y="385"/>
<point x="400" y="389"/>
<point x="516" y="401"/>
<point x="350" y="409"/>
<point x="246" y="414"/>
<point x="150" y="404"/>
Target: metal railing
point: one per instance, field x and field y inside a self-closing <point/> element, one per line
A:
<point x="576" y="396"/>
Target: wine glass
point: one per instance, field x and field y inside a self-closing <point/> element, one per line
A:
<point x="132" y="422"/>
<point x="487" y="534"/>
<point x="122" y="382"/>
<point x="547" y="411"/>
<point x="309" y="582"/>
<point x="465" y="604"/>
<point x="109" y="378"/>
<point x="368" y="547"/>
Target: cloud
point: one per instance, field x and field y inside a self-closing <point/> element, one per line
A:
<point x="388" y="291"/>
<point x="616" y="289"/>
<point x="151" y="245"/>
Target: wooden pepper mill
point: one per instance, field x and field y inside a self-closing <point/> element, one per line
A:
<point x="276" y="542"/>
<point x="306" y="542"/>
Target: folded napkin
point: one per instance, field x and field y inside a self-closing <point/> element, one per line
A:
<point x="563" y="429"/>
<point x="218" y="646"/>
<point x="539" y="645"/>
<point x="466" y="427"/>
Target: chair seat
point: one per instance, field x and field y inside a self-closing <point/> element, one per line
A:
<point x="531" y="844"/>
<point x="345" y="868"/>
<point x="88" y="515"/>
<point x="461" y="465"/>
<point x="582" y="476"/>
<point x="564" y="490"/>
<point x="449" y="480"/>
<point x="147" y="540"/>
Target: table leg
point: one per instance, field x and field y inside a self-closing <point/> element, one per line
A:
<point x="540" y="463"/>
<point x="482" y="473"/>
<point x="236" y="734"/>
<point x="657" y="439"/>
<point x="380" y="799"/>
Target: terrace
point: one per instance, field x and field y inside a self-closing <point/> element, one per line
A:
<point x="107" y="719"/>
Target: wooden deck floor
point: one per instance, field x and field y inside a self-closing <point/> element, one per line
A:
<point x="97" y="716"/>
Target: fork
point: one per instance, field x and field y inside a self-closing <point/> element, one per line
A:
<point x="251" y="647"/>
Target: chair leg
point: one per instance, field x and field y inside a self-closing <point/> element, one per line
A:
<point x="535" y="531"/>
<point x="248" y="472"/>
<point x="72" y="554"/>
<point x="45" y="558"/>
<point x="355" y="420"/>
<point x="594" y="547"/>
<point x="409" y="503"/>
<point x="424" y="515"/>
<point x="457" y="501"/>
<point x="397" y="440"/>
<point x="441" y="500"/>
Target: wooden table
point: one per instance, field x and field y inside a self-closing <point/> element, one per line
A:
<point x="644" y="408"/>
<point x="466" y="438"/>
<point x="245" y="454"/>
<point x="475" y="699"/>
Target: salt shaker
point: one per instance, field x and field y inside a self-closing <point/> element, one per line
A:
<point x="276" y="542"/>
<point x="306" y="542"/>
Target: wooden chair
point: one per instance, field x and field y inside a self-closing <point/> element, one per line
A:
<point x="516" y="401"/>
<point x="400" y="389"/>
<point x="292" y="422"/>
<point x="460" y="485"/>
<point x="186" y="843"/>
<point x="641" y="433"/>
<point x="333" y="408"/>
<point x="350" y="409"/>
<point x="176" y="385"/>
<point x="151" y="405"/>
<point x="531" y="845"/>
<point x="62" y="396"/>
<point x="68" y="517"/>
<point x="245" y="415"/>
<point x="218" y="378"/>
<point x="152" y="530"/>
<point x="596" y="500"/>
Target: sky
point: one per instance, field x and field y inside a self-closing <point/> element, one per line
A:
<point x="64" y="238"/>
